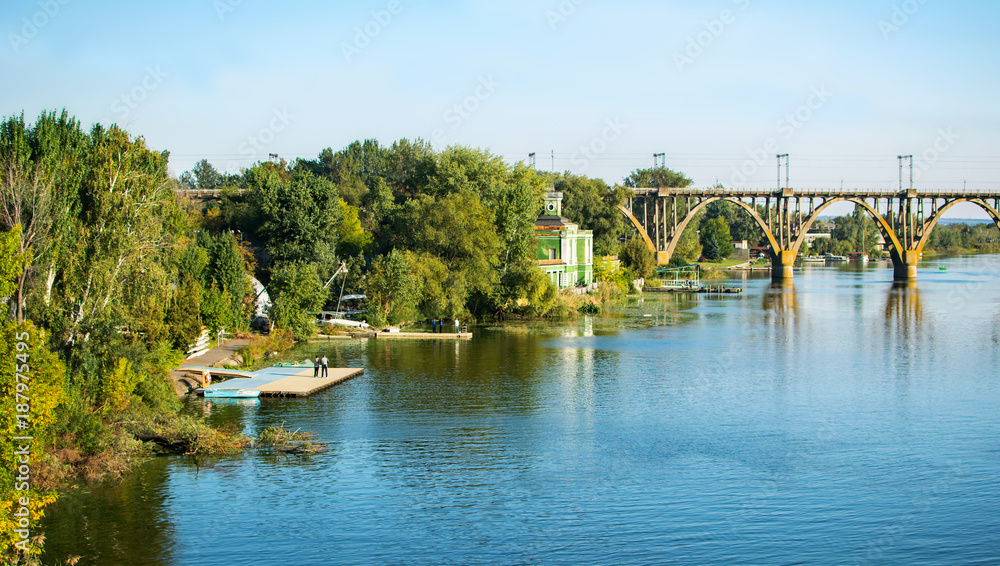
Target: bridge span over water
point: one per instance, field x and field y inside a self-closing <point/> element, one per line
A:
<point x="905" y="218"/>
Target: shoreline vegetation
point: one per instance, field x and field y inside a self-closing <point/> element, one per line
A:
<point x="108" y="274"/>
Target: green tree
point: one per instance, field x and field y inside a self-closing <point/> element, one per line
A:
<point x="741" y="224"/>
<point x="379" y="210"/>
<point x="393" y="291"/>
<point x="536" y="294"/>
<point x="182" y="317"/>
<point x="710" y="248"/>
<point x="352" y="238"/>
<point x="192" y="263"/>
<point x="515" y="205"/>
<point x="297" y="294"/>
<point x="637" y="256"/>
<point x="217" y="311"/>
<point x="40" y="172"/>
<point x="442" y="291"/>
<point x="205" y="176"/>
<point x="457" y="229"/>
<point x="594" y="206"/>
<point x="123" y="194"/>
<point x="658" y="177"/>
<point x="689" y="248"/>
<point x="298" y="214"/>
<point x="226" y="268"/>
<point x="716" y="239"/>
<point x="609" y="271"/>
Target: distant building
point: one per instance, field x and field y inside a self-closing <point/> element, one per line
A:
<point x="565" y="252"/>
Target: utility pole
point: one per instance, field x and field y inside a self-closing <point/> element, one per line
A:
<point x="531" y="160"/>
<point x="781" y="156"/>
<point x="659" y="161"/>
<point x="901" y="158"/>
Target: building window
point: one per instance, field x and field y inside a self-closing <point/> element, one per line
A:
<point x="552" y="253"/>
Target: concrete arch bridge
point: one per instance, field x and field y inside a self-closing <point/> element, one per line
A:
<point x="905" y="218"/>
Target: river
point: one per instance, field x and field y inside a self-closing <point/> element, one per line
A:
<point x="840" y="419"/>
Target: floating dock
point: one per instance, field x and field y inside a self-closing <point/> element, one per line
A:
<point x="711" y="289"/>
<point x="278" y="381"/>
<point x="417" y="335"/>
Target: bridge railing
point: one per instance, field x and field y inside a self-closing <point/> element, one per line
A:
<point x="817" y="193"/>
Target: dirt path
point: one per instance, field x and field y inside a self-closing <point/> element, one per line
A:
<point x="183" y="383"/>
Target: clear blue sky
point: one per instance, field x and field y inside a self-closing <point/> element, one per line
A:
<point x="843" y="87"/>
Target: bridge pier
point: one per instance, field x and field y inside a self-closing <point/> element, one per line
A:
<point x="781" y="265"/>
<point x="905" y="268"/>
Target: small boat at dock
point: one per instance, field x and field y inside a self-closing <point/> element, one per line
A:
<point x="231" y="393"/>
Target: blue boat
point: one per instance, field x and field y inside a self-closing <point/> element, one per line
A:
<point x="231" y="393"/>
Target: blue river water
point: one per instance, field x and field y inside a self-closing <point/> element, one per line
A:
<point x="840" y="419"/>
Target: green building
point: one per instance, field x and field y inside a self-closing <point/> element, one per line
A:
<point x="565" y="252"/>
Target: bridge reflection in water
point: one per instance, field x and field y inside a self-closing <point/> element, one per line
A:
<point x="781" y="301"/>
<point x="905" y="218"/>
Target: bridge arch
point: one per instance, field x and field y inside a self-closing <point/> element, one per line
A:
<point x="683" y="224"/>
<point x="936" y="217"/>
<point x="887" y="232"/>
<point x="638" y="227"/>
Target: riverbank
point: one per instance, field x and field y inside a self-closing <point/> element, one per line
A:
<point x="214" y="357"/>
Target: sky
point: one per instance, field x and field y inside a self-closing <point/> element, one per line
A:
<point x="591" y="87"/>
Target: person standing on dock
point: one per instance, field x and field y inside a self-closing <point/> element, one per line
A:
<point x="434" y="325"/>
<point x="325" y="363"/>
<point x="456" y="326"/>
<point x="316" y="367"/>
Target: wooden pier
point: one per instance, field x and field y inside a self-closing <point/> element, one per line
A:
<point x="417" y="335"/>
<point x="279" y="381"/>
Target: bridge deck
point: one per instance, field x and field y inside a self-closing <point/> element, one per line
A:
<point x="815" y="193"/>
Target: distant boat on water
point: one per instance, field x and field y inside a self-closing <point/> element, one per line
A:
<point x="858" y="256"/>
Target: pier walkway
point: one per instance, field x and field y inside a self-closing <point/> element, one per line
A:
<point x="277" y="381"/>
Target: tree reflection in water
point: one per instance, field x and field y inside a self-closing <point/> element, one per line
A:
<point x="122" y="522"/>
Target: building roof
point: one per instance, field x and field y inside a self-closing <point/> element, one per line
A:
<point x="549" y="221"/>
